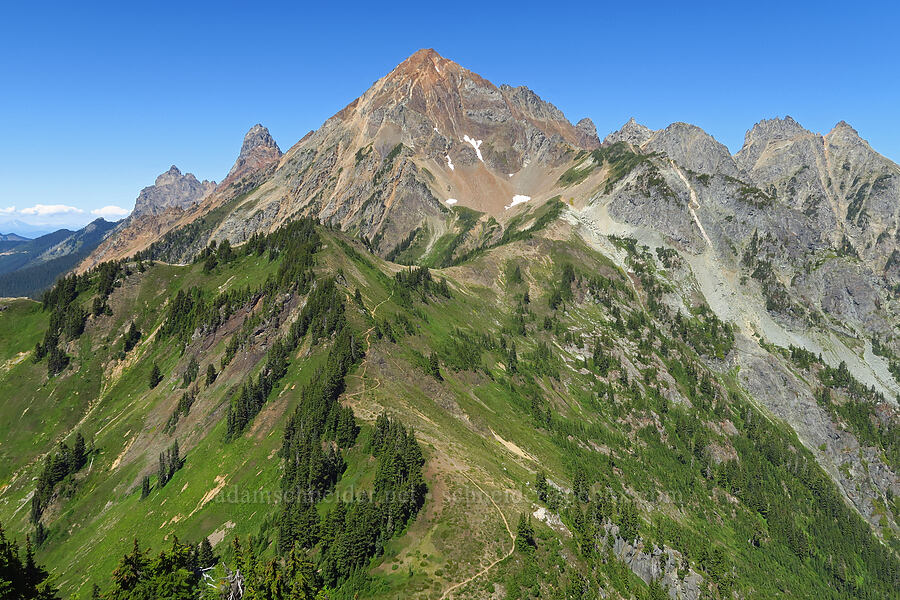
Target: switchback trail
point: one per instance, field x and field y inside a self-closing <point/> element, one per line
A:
<point x="365" y="363"/>
<point x="512" y="548"/>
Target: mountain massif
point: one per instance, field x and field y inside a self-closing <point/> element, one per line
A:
<point x="450" y="345"/>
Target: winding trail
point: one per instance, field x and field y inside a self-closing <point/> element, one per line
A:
<point x="512" y="548"/>
<point x="365" y="363"/>
<point x="449" y="591"/>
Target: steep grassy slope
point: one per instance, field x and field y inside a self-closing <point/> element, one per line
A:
<point x="581" y="427"/>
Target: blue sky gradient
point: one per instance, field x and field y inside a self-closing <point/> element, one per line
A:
<point x="97" y="100"/>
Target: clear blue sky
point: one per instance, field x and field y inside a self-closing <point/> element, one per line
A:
<point x="95" y="101"/>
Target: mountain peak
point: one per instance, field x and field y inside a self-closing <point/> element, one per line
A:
<point x="258" y="150"/>
<point x="631" y="132"/>
<point x="168" y="176"/>
<point x="692" y="147"/>
<point x="426" y="68"/>
<point x="843" y="128"/>
<point x="171" y="189"/>
<point x="775" y="129"/>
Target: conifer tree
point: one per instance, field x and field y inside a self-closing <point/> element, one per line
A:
<point x="155" y="376"/>
<point x="132" y="336"/>
<point x="434" y="368"/>
<point x="79" y="452"/>
<point x="541" y="486"/>
<point x="205" y="556"/>
<point x="525" y="533"/>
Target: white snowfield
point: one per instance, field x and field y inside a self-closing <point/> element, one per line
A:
<point x="451" y="201"/>
<point x="518" y="199"/>
<point x="449" y="162"/>
<point x="475" y="144"/>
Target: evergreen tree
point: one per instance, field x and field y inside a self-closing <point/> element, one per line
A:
<point x="190" y="373"/>
<point x="525" y="533"/>
<point x="145" y="487"/>
<point x="132" y="337"/>
<point x="205" y="556"/>
<point x="155" y="376"/>
<point x="22" y="580"/>
<point x="162" y="472"/>
<point x="434" y="368"/>
<point x="541" y="486"/>
<point x="57" y="360"/>
<point x="580" y="485"/>
<point x="79" y="452"/>
<point x="210" y="374"/>
<point x="512" y="359"/>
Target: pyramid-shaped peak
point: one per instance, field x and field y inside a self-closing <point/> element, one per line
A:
<point x="426" y="65"/>
<point x="843" y="128"/>
<point x="425" y="54"/>
<point x="258" y="137"/>
<point x="631" y="132"/>
<point x="258" y="150"/>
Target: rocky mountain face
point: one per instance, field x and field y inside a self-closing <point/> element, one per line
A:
<point x="171" y="189"/>
<point x="794" y="239"/>
<point x="425" y="137"/>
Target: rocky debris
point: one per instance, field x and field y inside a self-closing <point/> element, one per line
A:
<point x="631" y="132"/>
<point x="171" y="190"/>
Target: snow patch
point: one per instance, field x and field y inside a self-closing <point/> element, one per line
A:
<point x="518" y="199"/>
<point x="451" y="201"/>
<point x="449" y="162"/>
<point x="476" y="144"/>
<point x="510" y="174"/>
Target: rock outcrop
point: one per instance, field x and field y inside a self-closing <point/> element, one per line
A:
<point x="171" y="190"/>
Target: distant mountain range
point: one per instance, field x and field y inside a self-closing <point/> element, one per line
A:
<point x="12" y="237"/>
<point x="29" y="266"/>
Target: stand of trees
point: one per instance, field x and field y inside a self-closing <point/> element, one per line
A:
<point x="353" y="532"/>
<point x="22" y="579"/>
<point x="169" y="461"/>
<point x="322" y="316"/>
<point x="174" y="574"/>
<point x="57" y="467"/>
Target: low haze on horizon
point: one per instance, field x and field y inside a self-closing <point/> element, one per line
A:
<point x="100" y="100"/>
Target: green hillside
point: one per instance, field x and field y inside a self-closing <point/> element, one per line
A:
<point x="523" y="424"/>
